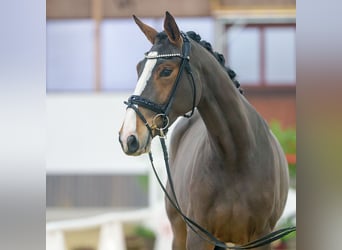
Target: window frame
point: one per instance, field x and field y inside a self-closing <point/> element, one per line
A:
<point x="263" y="84"/>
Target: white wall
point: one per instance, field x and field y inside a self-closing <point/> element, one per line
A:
<point x="82" y="135"/>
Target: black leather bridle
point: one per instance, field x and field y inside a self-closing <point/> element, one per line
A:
<point x="163" y="110"/>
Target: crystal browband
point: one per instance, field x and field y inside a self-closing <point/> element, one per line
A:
<point x="165" y="55"/>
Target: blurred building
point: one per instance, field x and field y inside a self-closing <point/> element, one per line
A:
<point x="92" y="50"/>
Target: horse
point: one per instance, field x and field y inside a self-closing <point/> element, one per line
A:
<point x="229" y="172"/>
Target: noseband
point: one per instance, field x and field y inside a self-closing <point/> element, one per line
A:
<point x="163" y="110"/>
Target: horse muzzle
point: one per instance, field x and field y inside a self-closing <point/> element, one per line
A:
<point x="134" y="137"/>
<point x="131" y="145"/>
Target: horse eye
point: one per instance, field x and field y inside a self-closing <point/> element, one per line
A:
<point x="165" y="72"/>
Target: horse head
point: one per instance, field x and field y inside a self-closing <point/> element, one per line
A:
<point x="165" y="88"/>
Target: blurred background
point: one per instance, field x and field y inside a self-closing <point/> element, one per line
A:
<point x="99" y="198"/>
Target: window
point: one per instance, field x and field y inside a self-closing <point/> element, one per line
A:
<point x="280" y="55"/>
<point x="262" y="55"/>
<point x="244" y="54"/>
<point x="70" y="55"/>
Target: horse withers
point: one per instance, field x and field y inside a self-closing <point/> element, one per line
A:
<point x="229" y="172"/>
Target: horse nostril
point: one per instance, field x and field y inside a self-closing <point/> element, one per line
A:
<point x="132" y="144"/>
<point x="120" y="140"/>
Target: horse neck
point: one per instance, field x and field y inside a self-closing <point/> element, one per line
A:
<point x="225" y="113"/>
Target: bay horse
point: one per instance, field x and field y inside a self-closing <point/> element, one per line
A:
<point x="229" y="172"/>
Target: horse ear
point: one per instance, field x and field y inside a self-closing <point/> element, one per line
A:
<point x="149" y="32"/>
<point x="172" y="30"/>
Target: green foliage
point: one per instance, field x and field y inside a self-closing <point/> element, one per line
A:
<point x="143" y="182"/>
<point x="289" y="222"/>
<point x="287" y="139"/>
<point x="144" y="232"/>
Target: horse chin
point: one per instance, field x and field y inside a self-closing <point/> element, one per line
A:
<point x="145" y="150"/>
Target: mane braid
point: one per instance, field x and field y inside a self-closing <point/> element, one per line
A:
<point x="219" y="57"/>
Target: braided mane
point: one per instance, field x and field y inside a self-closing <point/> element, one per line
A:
<point x="219" y="57"/>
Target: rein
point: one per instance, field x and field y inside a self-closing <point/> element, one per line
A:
<point x="162" y="111"/>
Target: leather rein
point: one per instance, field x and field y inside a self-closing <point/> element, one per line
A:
<point x="162" y="111"/>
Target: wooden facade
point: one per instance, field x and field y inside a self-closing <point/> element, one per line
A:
<point x="252" y="4"/>
<point x="61" y="9"/>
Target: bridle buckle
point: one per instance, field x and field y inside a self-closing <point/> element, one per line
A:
<point x="165" y="124"/>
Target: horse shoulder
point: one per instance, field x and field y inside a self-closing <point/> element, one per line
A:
<point x="181" y="127"/>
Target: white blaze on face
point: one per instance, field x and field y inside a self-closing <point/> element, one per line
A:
<point x="130" y="121"/>
<point x="146" y="74"/>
